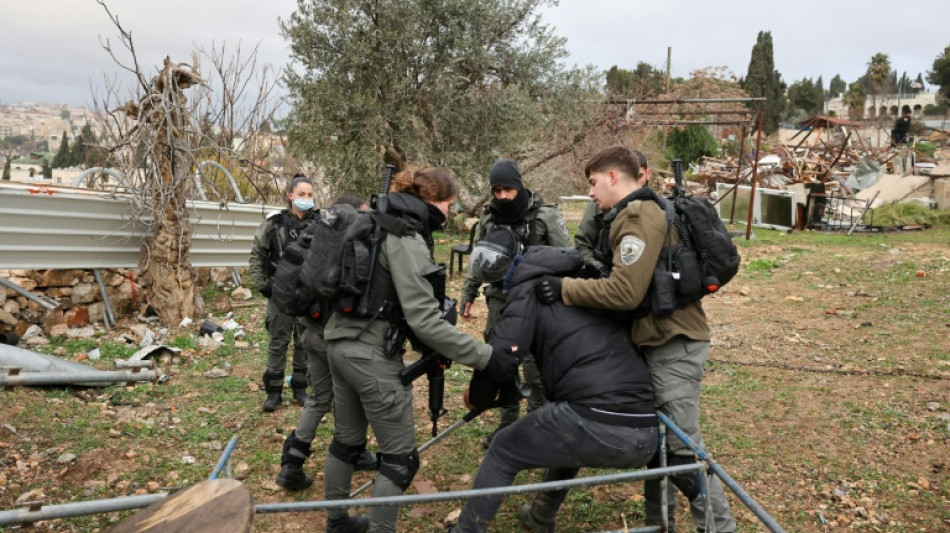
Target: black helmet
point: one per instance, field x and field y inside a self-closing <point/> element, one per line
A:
<point x="492" y="255"/>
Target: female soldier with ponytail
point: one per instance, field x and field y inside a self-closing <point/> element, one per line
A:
<point x="367" y="389"/>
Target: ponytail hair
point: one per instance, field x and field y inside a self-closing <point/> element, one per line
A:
<point x="429" y="185"/>
<point x="292" y="186"/>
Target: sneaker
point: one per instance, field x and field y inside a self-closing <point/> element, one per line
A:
<point x="349" y="524"/>
<point x="531" y="523"/>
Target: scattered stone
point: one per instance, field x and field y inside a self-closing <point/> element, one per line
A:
<point x="31" y="496"/>
<point x="452" y="517"/>
<point x="745" y="291"/>
<point x="37" y="341"/>
<point x="271" y="486"/>
<point x="66" y="458"/>
<point x="216" y="373"/>
<point x="933" y="406"/>
<point x="59" y="330"/>
<point x="7" y="318"/>
<point x="80" y="333"/>
<point x="188" y="459"/>
<point x="84" y="293"/>
<point x="796" y="299"/>
<point x="241" y="345"/>
<point x="152" y="486"/>
<point x="241" y="293"/>
<point x="91" y="487"/>
<point x="59" y="278"/>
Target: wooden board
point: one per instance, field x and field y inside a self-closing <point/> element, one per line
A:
<point x="218" y="506"/>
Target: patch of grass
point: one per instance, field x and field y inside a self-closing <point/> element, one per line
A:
<point x="761" y="265"/>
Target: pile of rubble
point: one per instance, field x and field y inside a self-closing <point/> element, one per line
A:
<point x="78" y="300"/>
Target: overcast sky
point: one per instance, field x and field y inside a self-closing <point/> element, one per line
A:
<point x="50" y="51"/>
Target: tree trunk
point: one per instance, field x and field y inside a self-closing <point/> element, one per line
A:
<point x="166" y="258"/>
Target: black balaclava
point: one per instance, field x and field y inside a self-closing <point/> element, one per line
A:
<point x="505" y="173"/>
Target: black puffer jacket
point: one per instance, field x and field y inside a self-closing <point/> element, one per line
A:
<point x="585" y="356"/>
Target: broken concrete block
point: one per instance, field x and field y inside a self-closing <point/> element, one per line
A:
<point x="59" y="330"/>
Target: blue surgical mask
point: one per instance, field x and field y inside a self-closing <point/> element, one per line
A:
<point x="303" y="205"/>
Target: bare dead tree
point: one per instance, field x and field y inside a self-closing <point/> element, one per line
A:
<point x="156" y="136"/>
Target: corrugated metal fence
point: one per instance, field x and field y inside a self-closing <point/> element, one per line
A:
<point x="60" y="227"/>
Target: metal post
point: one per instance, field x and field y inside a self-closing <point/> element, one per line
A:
<point x="755" y="172"/>
<point x="735" y="195"/>
<point x="664" y="482"/>
<point x="753" y="506"/>
<point x="44" y="301"/>
<point x="860" y="218"/>
<point x="225" y="458"/>
<point x="108" y="313"/>
<point x="68" y="510"/>
<point x="74" y="378"/>
<point x="469" y="416"/>
<point x="636" y="475"/>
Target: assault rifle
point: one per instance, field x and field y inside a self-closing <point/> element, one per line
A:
<point x="379" y="202"/>
<point x="432" y="363"/>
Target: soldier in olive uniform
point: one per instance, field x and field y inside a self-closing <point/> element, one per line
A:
<point x="366" y="385"/>
<point x="534" y="222"/>
<point x="676" y="346"/>
<point x="272" y="237"/>
<point x="585" y="239"/>
<point x="297" y="447"/>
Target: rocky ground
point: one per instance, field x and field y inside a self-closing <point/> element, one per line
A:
<point x="827" y="398"/>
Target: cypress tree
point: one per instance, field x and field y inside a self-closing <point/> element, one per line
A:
<point x="762" y="80"/>
<point x="62" y="156"/>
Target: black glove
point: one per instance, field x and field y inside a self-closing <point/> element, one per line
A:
<point x="548" y="289"/>
<point x="502" y="366"/>
<point x="266" y="290"/>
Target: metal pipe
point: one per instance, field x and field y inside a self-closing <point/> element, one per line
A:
<point x="68" y="510"/>
<point x="753" y="506"/>
<point x="692" y="122"/>
<point x="648" y="101"/>
<point x="735" y="195"/>
<point x="860" y="218"/>
<point x="664" y="482"/>
<point x="108" y="313"/>
<point x="636" y="475"/>
<point x="225" y="458"/>
<point x="90" y="171"/>
<point x="706" y="112"/>
<point x="755" y="172"/>
<point x="76" y="378"/>
<point x="237" y="192"/>
<point x="469" y="416"/>
<point x="45" y="301"/>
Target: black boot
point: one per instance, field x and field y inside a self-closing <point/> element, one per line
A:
<point x="688" y="482"/>
<point x="291" y="476"/>
<point x="348" y="524"/>
<point x="367" y="461"/>
<point x="533" y="523"/>
<point x="298" y="384"/>
<point x="486" y="441"/>
<point x="273" y="386"/>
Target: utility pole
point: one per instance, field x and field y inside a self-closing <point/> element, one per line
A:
<point x="669" y="55"/>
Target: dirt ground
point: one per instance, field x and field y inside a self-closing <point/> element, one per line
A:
<point x="827" y="398"/>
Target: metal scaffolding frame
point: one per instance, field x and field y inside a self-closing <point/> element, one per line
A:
<point x="36" y="511"/>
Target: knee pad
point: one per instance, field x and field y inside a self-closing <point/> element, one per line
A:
<point x="345" y="452"/>
<point x="388" y="462"/>
<point x="298" y="381"/>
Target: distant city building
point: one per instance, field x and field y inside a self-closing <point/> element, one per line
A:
<point x="884" y="105"/>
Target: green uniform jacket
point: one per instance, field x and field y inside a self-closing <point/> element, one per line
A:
<point x="545" y="227"/>
<point x="404" y="259"/>
<point x="261" y="250"/>
<point x="636" y="237"/>
<point x="585" y="240"/>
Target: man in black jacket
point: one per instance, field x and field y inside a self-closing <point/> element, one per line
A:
<point x="602" y="411"/>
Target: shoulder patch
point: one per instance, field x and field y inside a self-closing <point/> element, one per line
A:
<point x="272" y="214"/>
<point x="631" y="248"/>
<point x="561" y="224"/>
